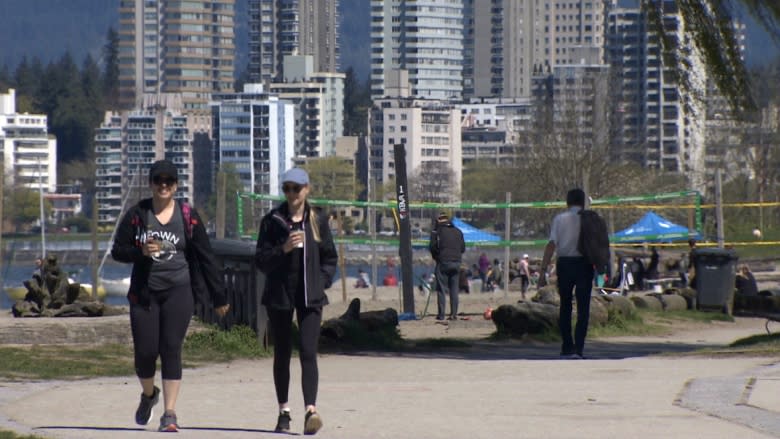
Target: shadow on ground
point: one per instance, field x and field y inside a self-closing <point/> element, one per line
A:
<point x="485" y="350"/>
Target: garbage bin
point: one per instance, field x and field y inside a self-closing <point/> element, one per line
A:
<point x="716" y="271"/>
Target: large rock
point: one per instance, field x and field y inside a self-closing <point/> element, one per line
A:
<point x="672" y="302"/>
<point x="618" y="305"/>
<point x="598" y="312"/>
<point x="647" y="302"/>
<point x="525" y="318"/>
<point x="689" y="294"/>
<point x="547" y="295"/>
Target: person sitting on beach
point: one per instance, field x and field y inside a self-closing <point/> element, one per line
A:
<point x="362" y="280"/>
<point x="745" y="283"/>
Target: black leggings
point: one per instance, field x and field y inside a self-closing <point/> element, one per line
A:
<point x="159" y="331"/>
<point x="309" y="320"/>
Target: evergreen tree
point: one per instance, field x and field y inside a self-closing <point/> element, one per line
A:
<point x="357" y="101"/>
<point x="111" y="68"/>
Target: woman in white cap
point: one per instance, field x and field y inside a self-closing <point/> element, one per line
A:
<point x="295" y="250"/>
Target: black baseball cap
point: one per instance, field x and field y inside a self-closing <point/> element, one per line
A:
<point x="163" y="167"/>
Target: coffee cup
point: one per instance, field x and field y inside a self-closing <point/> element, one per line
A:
<point x="299" y="232"/>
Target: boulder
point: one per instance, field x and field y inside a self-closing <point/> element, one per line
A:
<point x="672" y="302"/>
<point x="598" y="312"/>
<point x="647" y="302"/>
<point x="689" y="294"/>
<point x="618" y="305"/>
<point x="547" y="295"/>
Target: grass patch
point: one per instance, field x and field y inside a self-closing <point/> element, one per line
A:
<point x="215" y="345"/>
<point x="77" y="362"/>
<point x="671" y="317"/>
<point x="760" y="341"/>
<point x="5" y="434"/>
<point x="65" y="362"/>
<point x="621" y="325"/>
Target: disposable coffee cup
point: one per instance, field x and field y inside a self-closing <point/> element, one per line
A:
<point x="300" y="232"/>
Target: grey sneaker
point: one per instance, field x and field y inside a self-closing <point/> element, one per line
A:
<point x="168" y="423"/>
<point x="144" y="412"/>
<point x="312" y="423"/>
<point x="283" y="422"/>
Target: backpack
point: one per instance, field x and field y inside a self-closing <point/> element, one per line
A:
<point x="593" y="242"/>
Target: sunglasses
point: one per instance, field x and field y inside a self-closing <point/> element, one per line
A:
<point x="168" y="181"/>
<point x="292" y="188"/>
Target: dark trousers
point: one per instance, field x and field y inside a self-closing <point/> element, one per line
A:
<point x="309" y="320"/>
<point x="577" y="275"/>
<point x="524" y="282"/>
<point x="447" y="276"/>
<point x="159" y="330"/>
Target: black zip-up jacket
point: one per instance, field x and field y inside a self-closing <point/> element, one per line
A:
<point x="319" y="259"/>
<point x="446" y="244"/>
<point x="205" y="274"/>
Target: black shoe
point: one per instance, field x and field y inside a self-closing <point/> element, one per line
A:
<point x="283" y="422"/>
<point x="439" y="317"/>
<point x="144" y="412"/>
<point x="312" y="423"/>
<point x="453" y="317"/>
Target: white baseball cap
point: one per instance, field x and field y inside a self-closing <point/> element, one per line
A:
<point x="525" y="256"/>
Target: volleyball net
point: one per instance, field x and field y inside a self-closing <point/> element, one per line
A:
<point x="526" y="224"/>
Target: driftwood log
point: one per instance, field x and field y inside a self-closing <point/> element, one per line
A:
<point x="370" y="322"/>
<point x="525" y="318"/>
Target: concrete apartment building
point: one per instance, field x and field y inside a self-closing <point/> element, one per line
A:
<point x="657" y="130"/>
<point x="185" y="47"/>
<point x="506" y="40"/>
<point x="278" y="28"/>
<point x="29" y="152"/>
<point x="423" y="37"/>
<point x="431" y="133"/>
<point x="493" y="130"/>
<point x="579" y="99"/>
<point x="128" y="142"/>
<point x="253" y="131"/>
<point x="318" y="98"/>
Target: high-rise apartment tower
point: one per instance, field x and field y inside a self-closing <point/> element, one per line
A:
<point x="185" y="47"/>
<point x="291" y="27"/>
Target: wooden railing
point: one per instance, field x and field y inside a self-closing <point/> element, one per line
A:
<point x="244" y="288"/>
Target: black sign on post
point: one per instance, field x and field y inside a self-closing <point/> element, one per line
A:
<point x="405" y="232"/>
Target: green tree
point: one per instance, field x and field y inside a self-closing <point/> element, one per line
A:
<point x="333" y="178"/>
<point x="709" y="25"/>
<point x="24" y="208"/>
<point x="110" y="79"/>
<point x="357" y="101"/>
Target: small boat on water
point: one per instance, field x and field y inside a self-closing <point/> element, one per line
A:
<point x="18" y="293"/>
<point x="115" y="287"/>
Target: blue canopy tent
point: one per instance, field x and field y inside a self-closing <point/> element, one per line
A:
<point x="653" y="228"/>
<point x="473" y="234"/>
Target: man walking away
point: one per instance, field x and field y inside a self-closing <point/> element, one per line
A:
<point x="574" y="273"/>
<point x="447" y="247"/>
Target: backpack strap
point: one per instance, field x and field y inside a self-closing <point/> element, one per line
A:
<point x="186" y="213"/>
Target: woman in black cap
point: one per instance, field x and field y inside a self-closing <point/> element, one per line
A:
<point x="295" y="251"/>
<point x="166" y="242"/>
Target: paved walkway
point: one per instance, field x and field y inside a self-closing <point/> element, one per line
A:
<point x="488" y="391"/>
